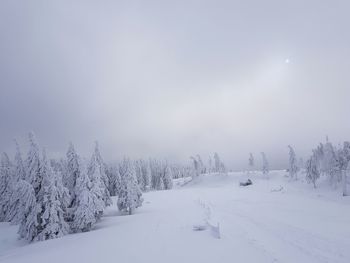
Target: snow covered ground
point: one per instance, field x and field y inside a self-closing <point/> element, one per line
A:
<point x="270" y="221"/>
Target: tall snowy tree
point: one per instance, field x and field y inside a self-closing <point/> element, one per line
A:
<point x="265" y="164"/>
<point x="167" y="176"/>
<point x="6" y="177"/>
<point x="97" y="173"/>
<point x="130" y="196"/>
<point x="312" y="170"/>
<point x="51" y="223"/>
<point x="89" y="205"/>
<point x="293" y="164"/>
<point x="28" y="228"/>
<point x="33" y="164"/>
<point x="15" y="214"/>
<point x="72" y="172"/>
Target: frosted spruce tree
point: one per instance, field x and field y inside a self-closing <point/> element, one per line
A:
<point x="167" y="176"/>
<point x="15" y="213"/>
<point x="72" y="172"/>
<point x="33" y="164"/>
<point x="130" y="196"/>
<point x="112" y="173"/>
<point x="6" y="177"/>
<point x="89" y="204"/>
<point x="28" y="227"/>
<point x="145" y="175"/>
<point x="97" y="174"/>
<point x="251" y="162"/>
<point x="312" y="170"/>
<point x="51" y="223"/>
<point x="293" y="164"/>
<point x="265" y="165"/>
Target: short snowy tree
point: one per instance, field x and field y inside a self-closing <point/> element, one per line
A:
<point x="293" y="164"/>
<point x="130" y="196"/>
<point x="51" y="223"/>
<point x="265" y="165"/>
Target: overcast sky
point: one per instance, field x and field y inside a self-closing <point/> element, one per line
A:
<point x="175" y="78"/>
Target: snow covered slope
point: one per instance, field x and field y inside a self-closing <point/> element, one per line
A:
<point x="270" y="221"/>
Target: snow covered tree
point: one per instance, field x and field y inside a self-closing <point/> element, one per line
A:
<point x="251" y="162"/>
<point x="312" y="170"/>
<point x="265" y="164"/>
<point x="130" y="196"/>
<point x="219" y="166"/>
<point x="28" y="228"/>
<point x="167" y="176"/>
<point x="112" y="173"/>
<point x="97" y="174"/>
<point x="89" y="205"/>
<point x="5" y="186"/>
<point x="293" y="166"/>
<point x="51" y="223"/>
<point x="72" y="172"/>
<point x="217" y="163"/>
<point x="15" y="214"/>
<point x="156" y="175"/>
<point x="33" y="164"/>
<point x="196" y="166"/>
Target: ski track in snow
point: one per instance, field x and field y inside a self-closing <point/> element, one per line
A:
<point x="257" y="225"/>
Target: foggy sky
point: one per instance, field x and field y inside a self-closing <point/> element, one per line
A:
<point x="174" y="78"/>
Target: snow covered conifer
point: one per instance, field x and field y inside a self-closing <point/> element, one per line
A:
<point x="14" y="214"/>
<point x="265" y="164"/>
<point x="5" y="186"/>
<point x="33" y="164"/>
<point x="293" y="166"/>
<point x="167" y="176"/>
<point x="51" y="223"/>
<point x="72" y="172"/>
<point x="130" y="196"/>
<point x="312" y="170"/>
<point x="88" y="204"/>
<point x="97" y="174"/>
<point x="29" y="222"/>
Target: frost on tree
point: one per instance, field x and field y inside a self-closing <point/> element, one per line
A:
<point x="28" y="228"/>
<point x="265" y="165"/>
<point x="89" y="205"/>
<point x="33" y="164"/>
<point x="293" y="164"/>
<point x="112" y="173"/>
<point x="312" y="170"/>
<point x="72" y="172"/>
<point x="15" y="212"/>
<point x="5" y="185"/>
<point x="97" y="174"/>
<point x="219" y="166"/>
<point x="51" y="223"/>
<point x="130" y="196"/>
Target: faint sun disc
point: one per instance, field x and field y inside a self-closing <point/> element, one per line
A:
<point x="287" y="61"/>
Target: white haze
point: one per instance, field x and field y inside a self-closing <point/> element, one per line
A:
<point x="175" y="78"/>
